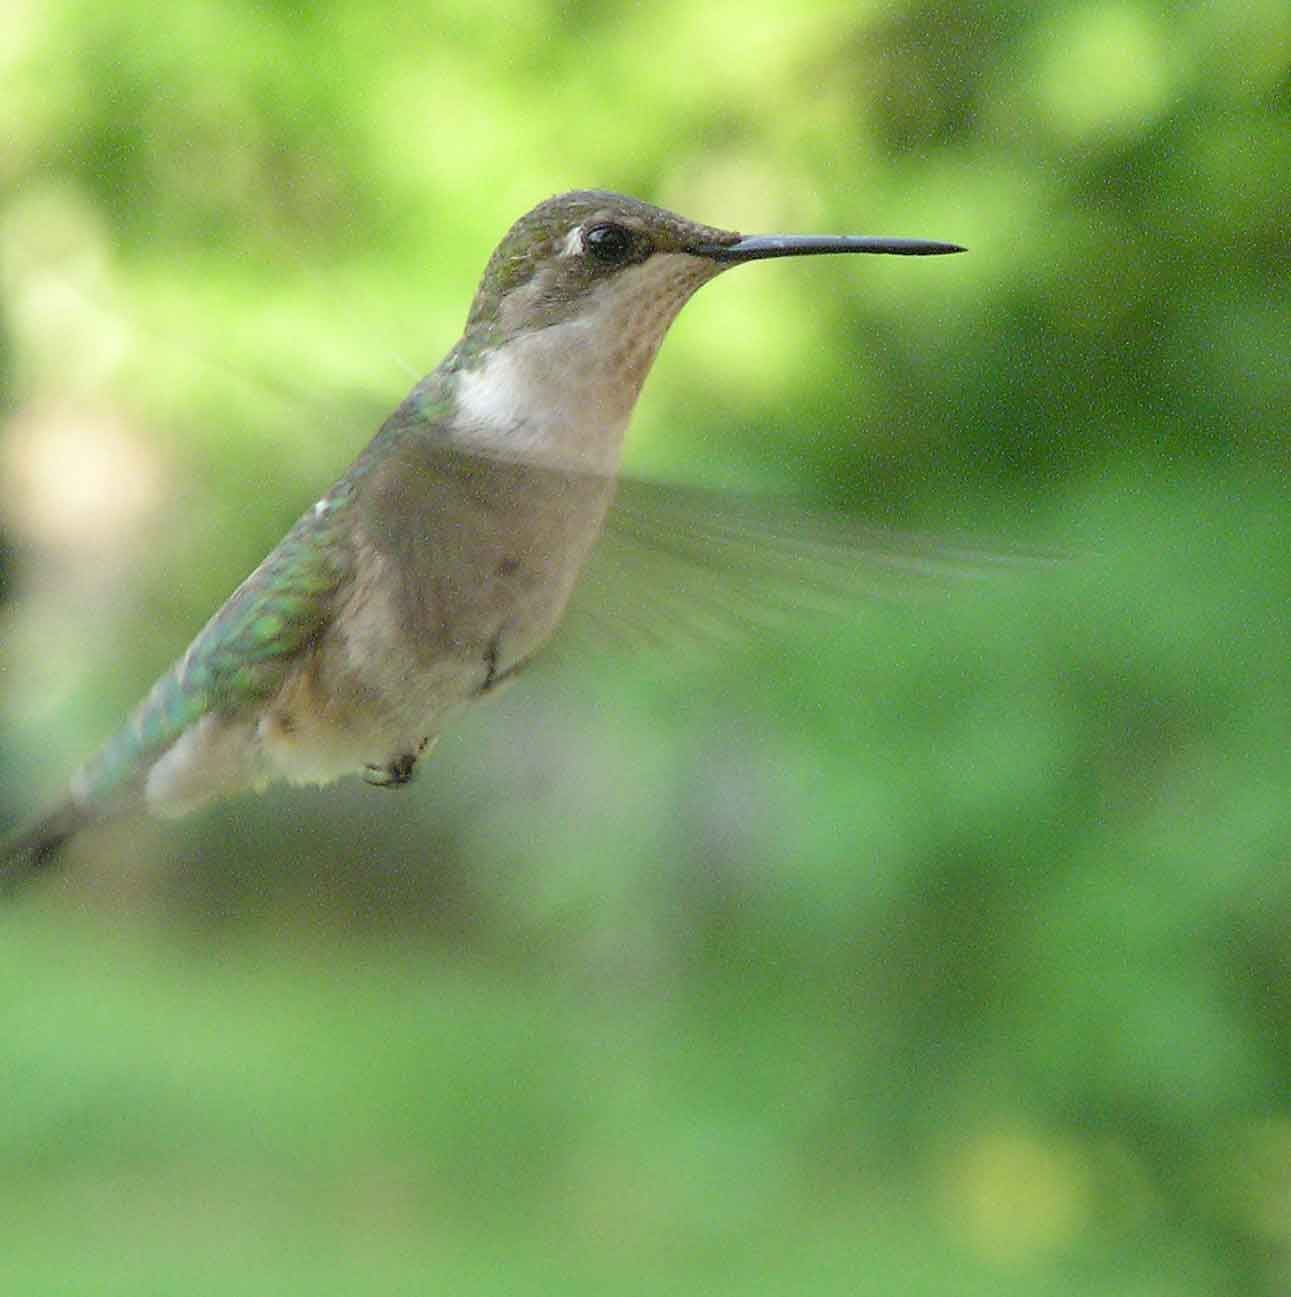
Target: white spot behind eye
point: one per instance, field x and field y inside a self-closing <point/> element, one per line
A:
<point x="573" y="245"/>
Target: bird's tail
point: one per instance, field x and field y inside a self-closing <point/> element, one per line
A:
<point x="33" y="849"/>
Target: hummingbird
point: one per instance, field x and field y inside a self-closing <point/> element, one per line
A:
<point x="442" y="561"/>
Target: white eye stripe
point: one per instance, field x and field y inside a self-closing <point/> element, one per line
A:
<point x="573" y="245"/>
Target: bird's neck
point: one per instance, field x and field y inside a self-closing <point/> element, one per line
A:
<point x="551" y="395"/>
<point x="567" y="390"/>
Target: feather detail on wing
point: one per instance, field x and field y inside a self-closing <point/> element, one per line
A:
<point x="241" y="655"/>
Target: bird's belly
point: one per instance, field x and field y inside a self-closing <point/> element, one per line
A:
<point x="422" y="632"/>
<point x="315" y="736"/>
<point x="380" y="688"/>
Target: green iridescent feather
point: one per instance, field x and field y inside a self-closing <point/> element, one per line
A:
<point x="244" y="652"/>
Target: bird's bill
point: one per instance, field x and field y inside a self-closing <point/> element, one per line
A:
<point x="758" y="247"/>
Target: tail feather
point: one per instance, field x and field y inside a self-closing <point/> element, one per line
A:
<point x="35" y="848"/>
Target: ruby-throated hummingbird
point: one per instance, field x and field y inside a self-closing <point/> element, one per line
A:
<point x="443" y="559"/>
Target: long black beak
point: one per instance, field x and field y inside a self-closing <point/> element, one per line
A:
<point x="757" y="247"/>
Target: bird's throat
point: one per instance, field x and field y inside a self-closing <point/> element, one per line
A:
<point x="564" y="393"/>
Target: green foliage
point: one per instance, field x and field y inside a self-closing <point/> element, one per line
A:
<point x="927" y="947"/>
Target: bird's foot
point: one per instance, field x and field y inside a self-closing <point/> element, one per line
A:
<point x="397" y="772"/>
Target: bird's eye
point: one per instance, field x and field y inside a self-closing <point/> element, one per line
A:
<point x="611" y="244"/>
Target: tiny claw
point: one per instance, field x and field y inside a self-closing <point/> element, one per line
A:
<point x="395" y="773"/>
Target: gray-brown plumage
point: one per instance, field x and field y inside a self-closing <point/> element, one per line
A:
<point x="443" y="560"/>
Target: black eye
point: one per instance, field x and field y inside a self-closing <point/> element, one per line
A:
<point x="611" y="244"/>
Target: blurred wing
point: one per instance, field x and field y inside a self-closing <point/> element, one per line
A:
<point x="683" y="565"/>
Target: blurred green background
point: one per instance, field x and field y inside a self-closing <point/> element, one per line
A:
<point x="923" y="948"/>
